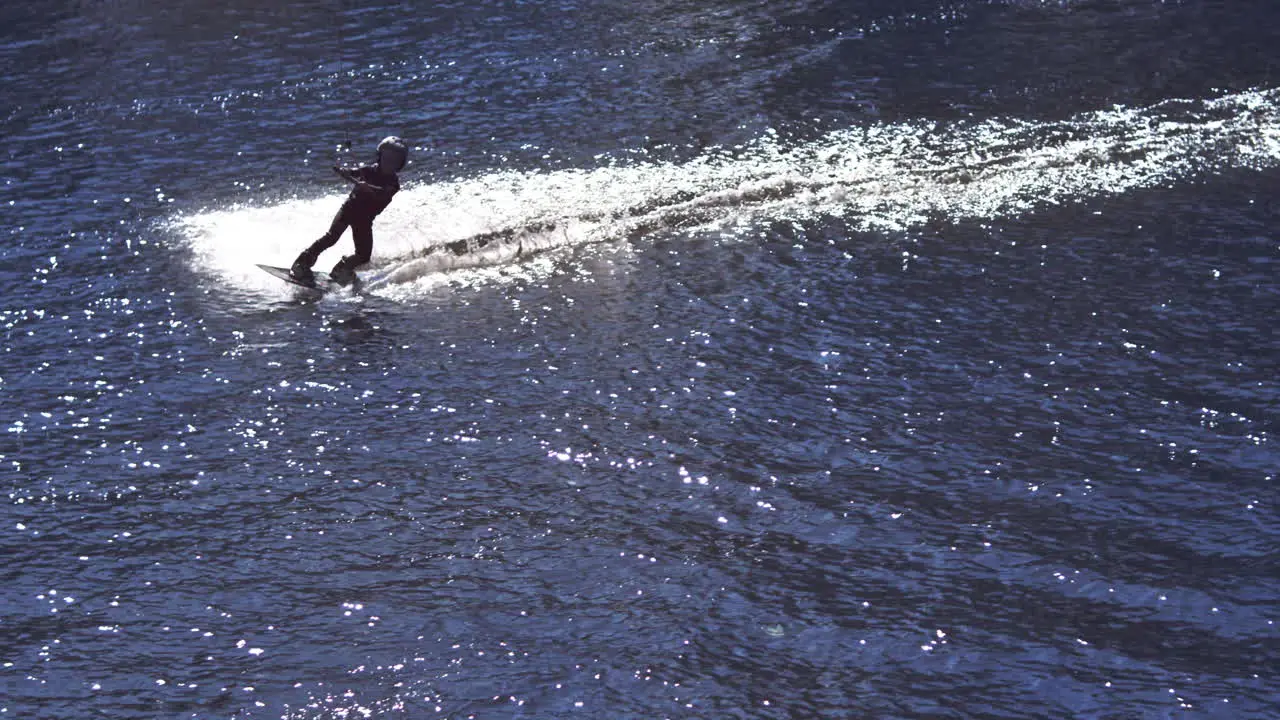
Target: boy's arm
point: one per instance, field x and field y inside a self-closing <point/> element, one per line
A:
<point x="362" y="185"/>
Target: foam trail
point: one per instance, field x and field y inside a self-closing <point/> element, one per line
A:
<point x="878" y="178"/>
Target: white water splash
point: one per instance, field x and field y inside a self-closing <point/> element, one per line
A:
<point x="879" y="178"/>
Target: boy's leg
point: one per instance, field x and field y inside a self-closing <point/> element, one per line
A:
<point x="302" y="266"/>
<point x="362" y="233"/>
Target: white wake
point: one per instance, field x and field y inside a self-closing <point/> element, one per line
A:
<point x="877" y="178"/>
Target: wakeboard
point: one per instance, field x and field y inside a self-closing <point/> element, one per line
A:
<point x="322" y="283"/>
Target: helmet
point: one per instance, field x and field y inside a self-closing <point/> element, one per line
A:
<point x="398" y="149"/>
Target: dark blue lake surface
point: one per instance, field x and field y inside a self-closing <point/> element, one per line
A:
<point x="717" y="360"/>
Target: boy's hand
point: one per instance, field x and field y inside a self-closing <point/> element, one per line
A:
<point x="344" y="174"/>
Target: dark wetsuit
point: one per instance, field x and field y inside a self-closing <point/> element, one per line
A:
<point x="358" y="212"/>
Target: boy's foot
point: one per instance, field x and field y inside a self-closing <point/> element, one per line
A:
<point x="302" y="273"/>
<point x="343" y="276"/>
<point x="343" y="273"/>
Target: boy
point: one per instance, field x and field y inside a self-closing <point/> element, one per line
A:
<point x="374" y="187"/>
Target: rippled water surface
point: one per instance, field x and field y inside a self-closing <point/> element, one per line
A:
<point x="719" y="359"/>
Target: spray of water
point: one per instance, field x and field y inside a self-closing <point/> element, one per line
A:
<point x="880" y="178"/>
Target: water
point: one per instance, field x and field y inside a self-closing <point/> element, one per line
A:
<point x="898" y="359"/>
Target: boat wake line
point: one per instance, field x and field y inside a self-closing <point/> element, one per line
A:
<point x="880" y="178"/>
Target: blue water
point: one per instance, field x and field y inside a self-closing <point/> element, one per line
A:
<point x="894" y="359"/>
